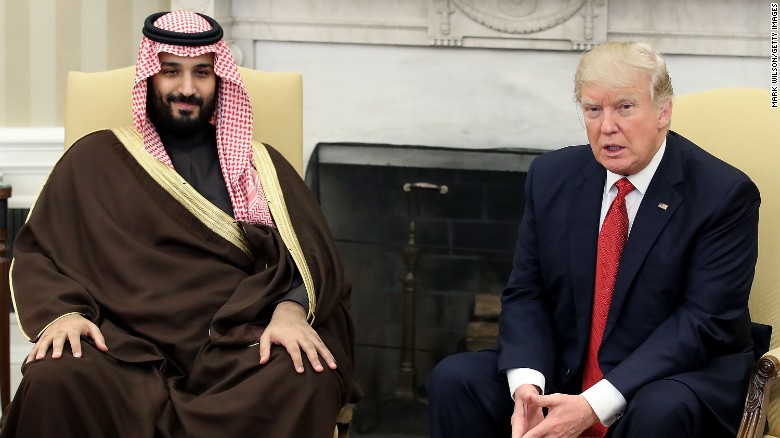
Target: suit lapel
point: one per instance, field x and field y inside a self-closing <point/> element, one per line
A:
<point x="584" y="211"/>
<point x="648" y="224"/>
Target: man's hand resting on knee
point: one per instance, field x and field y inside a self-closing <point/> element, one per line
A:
<point x="288" y="327"/>
<point x="69" y="328"/>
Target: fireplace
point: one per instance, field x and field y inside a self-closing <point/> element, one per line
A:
<point x="464" y="239"/>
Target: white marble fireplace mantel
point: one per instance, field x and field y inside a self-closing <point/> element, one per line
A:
<point x="691" y="27"/>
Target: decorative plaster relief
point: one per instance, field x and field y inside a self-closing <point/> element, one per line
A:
<point x="553" y="24"/>
<point x="690" y="27"/>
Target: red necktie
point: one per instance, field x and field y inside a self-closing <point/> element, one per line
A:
<point x="612" y="239"/>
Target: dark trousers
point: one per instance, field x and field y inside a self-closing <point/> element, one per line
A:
<point x="469" y="398"/>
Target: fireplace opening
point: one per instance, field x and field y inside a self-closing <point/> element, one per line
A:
<point x="458" y="211"/>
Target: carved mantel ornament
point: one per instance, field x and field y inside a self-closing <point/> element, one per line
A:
<point x="521" y="23"/>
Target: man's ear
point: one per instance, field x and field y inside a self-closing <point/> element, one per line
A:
<point x="665" y="114"/>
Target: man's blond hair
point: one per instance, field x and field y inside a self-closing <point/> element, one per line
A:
<point x="617" y="64"/>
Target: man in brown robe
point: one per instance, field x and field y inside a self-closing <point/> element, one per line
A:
<point x="177" y="279"/>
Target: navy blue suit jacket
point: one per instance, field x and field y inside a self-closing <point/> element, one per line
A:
<point x="679" y="308"/>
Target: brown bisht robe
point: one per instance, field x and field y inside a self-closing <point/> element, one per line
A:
<point x="180" y="292"/>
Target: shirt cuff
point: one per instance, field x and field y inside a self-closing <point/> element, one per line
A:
<point x="606" y="401"/>
<point x="520" y="376"/>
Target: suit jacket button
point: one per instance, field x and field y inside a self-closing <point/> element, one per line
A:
<point x="568" y="372"/>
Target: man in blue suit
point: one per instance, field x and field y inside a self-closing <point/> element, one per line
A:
<point x="647" y="334"/>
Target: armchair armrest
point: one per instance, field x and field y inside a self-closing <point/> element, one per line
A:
<point x="756" y="404"/>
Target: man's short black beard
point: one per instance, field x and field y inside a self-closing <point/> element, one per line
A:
<point x="161" y="113"/>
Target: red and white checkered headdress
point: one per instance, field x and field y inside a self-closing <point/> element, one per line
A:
<point x="185" y="33"/>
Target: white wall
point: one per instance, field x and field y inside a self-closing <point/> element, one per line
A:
<point x="460" y="97"/>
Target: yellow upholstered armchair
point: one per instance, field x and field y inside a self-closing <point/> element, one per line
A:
<point x="101" y="100"/>
<point x="739" y="126"/>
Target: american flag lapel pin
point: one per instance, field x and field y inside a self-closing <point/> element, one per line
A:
<point x="662" y="206"/>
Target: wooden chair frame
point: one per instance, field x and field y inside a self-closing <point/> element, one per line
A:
<point x="5" y="296"/>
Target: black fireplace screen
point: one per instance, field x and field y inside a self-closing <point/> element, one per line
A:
<point x="465" y="239"/>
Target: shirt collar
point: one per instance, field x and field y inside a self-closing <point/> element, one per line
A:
<point x="640" y="180"/>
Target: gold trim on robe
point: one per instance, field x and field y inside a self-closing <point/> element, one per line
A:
<point x="211" y="215"/>
<point x="275" y="198"/>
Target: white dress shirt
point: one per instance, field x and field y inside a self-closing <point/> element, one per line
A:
<point x="607" y="402"/>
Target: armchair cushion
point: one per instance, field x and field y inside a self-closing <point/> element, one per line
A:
<point x="101" y="100"/>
